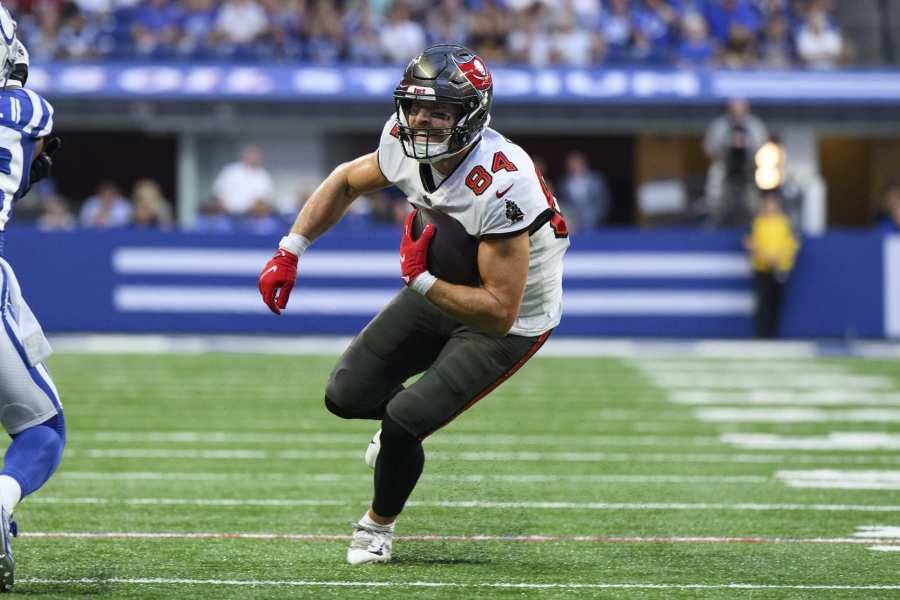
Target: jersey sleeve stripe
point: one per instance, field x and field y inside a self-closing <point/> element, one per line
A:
<point x="46" y="124"/>
<point x="34" y="115"/>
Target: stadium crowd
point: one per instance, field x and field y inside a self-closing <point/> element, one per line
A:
<point x="686" y="33"/>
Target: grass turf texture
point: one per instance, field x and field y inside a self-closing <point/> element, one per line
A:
<point x="253" y="428"/>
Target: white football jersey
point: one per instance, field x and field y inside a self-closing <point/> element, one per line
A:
<point x="495" y="192"/>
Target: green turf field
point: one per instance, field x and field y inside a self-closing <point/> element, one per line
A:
<point x="578" y="478"/>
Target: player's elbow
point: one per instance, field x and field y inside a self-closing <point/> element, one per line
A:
<point x="502" y="322"/>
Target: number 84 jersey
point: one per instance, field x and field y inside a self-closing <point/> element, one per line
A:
<point x="495" y="193"/>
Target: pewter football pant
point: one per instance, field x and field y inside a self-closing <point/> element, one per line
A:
<point x="410" y="336"/>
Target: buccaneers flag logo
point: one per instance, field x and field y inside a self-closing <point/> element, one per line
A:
<point x="476" y="72"/>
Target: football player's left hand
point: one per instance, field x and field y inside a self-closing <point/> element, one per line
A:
<point x="43" y="162"/>
<point x="414" y="253"/>
<point x="277" y="280"/>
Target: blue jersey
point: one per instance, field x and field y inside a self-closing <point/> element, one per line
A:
<point x="24" y="117"/>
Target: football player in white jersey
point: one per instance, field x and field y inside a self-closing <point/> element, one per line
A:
<point x="465" y="340"/>
<point x="30" y="409"/>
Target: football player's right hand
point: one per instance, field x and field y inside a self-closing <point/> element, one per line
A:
<point x="277" y="280"/>
<point x="414" y="253"/>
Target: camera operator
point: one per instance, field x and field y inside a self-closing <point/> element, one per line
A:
<point x="731" y="143"/>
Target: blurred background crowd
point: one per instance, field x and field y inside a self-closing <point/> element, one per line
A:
<point x="740" y="156"/>
<point x="686" y="33"/>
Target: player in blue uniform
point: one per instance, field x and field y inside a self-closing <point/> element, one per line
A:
<point x="30" y="410"/>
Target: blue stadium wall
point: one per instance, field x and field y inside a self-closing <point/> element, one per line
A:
<point x="618" y="283"/>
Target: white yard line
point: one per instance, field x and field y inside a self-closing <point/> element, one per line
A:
<point x="834" y="441"/>
<point x="841" y="479"/>
<point x="789" y="380"/>
<point x="797" y="415"/>
<point x="290" y="502"/>
<point x="739" y="367"/>
<point x="524" y="456"/>
<point x="450" y="584"/>
<point x="307" y="478"/>
<point x="315" y="537"/>
<point x="770" y="396"/>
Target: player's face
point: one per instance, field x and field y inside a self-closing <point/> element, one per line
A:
<point x="431" y="115"/>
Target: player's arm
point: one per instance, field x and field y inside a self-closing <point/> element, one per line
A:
<point x="321" y="212"/>
<point x="502" y="264"/>
<point x="493" y="307"/>
<point x="334" y="196"/>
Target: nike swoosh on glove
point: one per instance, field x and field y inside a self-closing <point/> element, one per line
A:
<point x="414" y="253"/>
<point x="277" y="280"/>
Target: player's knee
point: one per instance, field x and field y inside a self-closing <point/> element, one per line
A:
<point x="58" y="424"/>
<point x="339" y="393"/>
<point x="48" y="440"/>
<point x="348" y="398"/>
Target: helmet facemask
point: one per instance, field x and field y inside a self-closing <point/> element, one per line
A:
<point x="431" y="144"/>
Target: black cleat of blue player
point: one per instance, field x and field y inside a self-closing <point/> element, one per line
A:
<point x="7" y="562"/>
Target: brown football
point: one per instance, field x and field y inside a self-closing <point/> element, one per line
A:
<point x="453" y="253"/>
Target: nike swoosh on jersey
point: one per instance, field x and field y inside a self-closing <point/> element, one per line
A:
<point x="271" y="269"/>
<point x="503" y="193"/>
<point x="402" y="259"/>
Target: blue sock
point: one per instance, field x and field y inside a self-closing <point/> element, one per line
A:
<point x="34" y="454"/>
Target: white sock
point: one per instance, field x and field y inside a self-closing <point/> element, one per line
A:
<point x="370" y="523"/>
<point x="10" y="493"/>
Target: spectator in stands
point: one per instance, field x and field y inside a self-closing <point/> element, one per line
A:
<point x="77" y="39"/>
<point x="241" y="184"/>
<point x="731" y="142"/>
<point x="819" y="45"/>
<point x="889" y="223"/>
<point x="654" y="25"/>
<point x="772" y="247"/>
<point x="364" y="39"/>
<point x="56" y="215"/>
<point x="739" y="51"/>
<point x="212" y="218"/>
<point x="776" y="50"/>
<point x="401" y="37"/>
<point x="261" y="219"/>
<point x="42" y="32"/>
<point x="723" y="15"/>
<point x="616" y="26"/>
<point x="696" y="49"/>
<point x="155" y="31"/>
<point x="238" y="25"/>
<point x="151" y="209"/>
<point x="528" y="42"/>
<point x="583" y="193"/>
<point x="489" y="28"/>
<point x="571" y="45"/>
<point x="106" y="209"/>
<point x="448" y="21"/>
<point x="324" y="34"/>
<point x="196" y="23"/>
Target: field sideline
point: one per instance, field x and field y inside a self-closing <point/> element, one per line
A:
<point x="675" y="475"/>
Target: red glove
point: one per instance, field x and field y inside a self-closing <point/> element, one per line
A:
<point x="414" y="253"/>
<point x="277" y="280"/>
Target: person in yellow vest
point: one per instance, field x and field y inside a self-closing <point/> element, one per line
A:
<point x="773" y="247"/>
